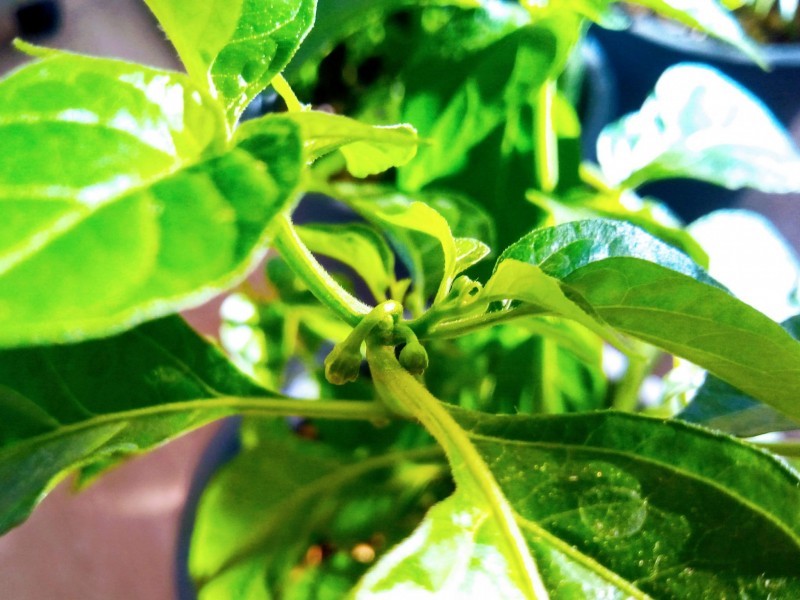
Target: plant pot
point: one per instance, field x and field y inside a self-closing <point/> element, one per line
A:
<point x="639" y="55"/>
<point x="223" y="447"/>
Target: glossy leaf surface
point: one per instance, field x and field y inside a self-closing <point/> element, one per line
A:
<point x="623" y="279"/>
<point x="120" y="199"/>
<point x="368" y="150"/>
<point x="608" y="504"/>
<point x="66" y="407"/>
<point x="628" y="506"/>
<point x="296" y="518"/>
<point x="701" y="125"/>
<point x="234" y="48"/>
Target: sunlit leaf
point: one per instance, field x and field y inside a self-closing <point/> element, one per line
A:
<point x="701" y="125"/>
<point x="235" y="47"/>
<point x="367" y="149"/>
<point x="621" y="278"/>
<point x="120" y="199"/>
<point x="419" y="234"/>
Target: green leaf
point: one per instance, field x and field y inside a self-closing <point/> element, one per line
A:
<point x="359" y="247"/>
<point x="699" y="124"/>
<point x="287" y="517"/>
<point x="419" y="234"/>
<point x="630" y="282"/>
<point x="234" y="48"/>
<point x="608" y="504"/>
<point x="469" y="251"/>
<point x="120" y="200"/>
<point x="368" y="150"/>
<point x="66" y="407"/>
<point x="708" y="16"/>
<point x="721" y="406"/>
<point x="537" y="365"/>
<point x="593" y="493"/>
<point x="622" y="205"/>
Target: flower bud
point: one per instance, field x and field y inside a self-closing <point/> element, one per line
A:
<point x="342" y="365"/>
<point x="414" y="358"/>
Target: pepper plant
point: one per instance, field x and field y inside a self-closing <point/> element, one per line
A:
<point x="419" y="423"/>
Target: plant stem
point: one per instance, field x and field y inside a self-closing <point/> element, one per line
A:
<point x="626" y="396"/>
<point x="470" y="472"/>
<point x="284" y="90"/>
<point x="546" y="157"/>
<point x="460" y="327"/>
<point x="314" y="275"/>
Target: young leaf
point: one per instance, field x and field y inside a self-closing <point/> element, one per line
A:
<point x="368" y="150"/>
<point x="65" y="407"/>
<point x="420" y="235"/>
<point x="121" y="199"/>
<point x="607" y="503"/>
<point x="288" y="517"/>
<point x="621" y="278"/>
<point x="469" y="251"/>
<point x="358" y="246"/>
<point x="234" y="48"/>
<point x="700" y="124"/>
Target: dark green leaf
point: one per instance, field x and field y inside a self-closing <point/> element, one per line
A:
<point x="477" y="114"/>
<point x="624" y="503"/>
<point x="288" y="516"/>
<point x="64" y="407"/>
<point x="699" y="124"/>
<point x="120" y="199"/>
<point x="608" y="504"/>
<point x="622" y="279"/>
<point x="235" y="47"/>
<point x="538" y="365"/>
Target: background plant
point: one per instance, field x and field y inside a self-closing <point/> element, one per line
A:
<point x="131" y="193"/>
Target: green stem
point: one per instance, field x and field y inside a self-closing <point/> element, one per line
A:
<point x="626" y="395"/>
<point x="459" y="327"/>
<point x="546" y="156"/>
<point x="285" y="91"/>
<point x="470" y="471"/>
<point x="314" y="275"/>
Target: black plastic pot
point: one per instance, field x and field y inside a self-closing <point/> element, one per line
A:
<point x="638" y="56"/>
